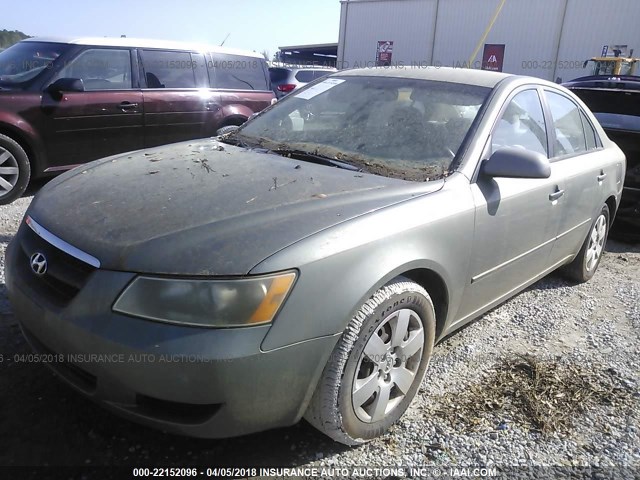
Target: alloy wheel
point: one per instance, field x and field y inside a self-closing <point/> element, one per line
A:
<point x="9" y="172"/>
<point x="388" y="365"/>
<point x="596" y="243"/>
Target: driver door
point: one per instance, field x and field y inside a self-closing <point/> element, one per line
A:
<point x="103" y="120"/>
<point x="517" y="219"/>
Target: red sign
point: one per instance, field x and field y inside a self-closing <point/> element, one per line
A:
<point x="493" y="57"/>
<point x="384" y="52"/>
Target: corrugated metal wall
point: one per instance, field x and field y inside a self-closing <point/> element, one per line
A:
<point x="544" y="38"/>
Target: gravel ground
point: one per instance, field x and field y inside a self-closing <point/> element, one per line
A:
<point x="587" y="333"/>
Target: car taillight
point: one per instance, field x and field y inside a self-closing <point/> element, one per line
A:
<point x="286" y="88"/>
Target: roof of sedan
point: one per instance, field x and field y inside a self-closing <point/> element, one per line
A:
<point x="467" y="76"/>
<point x="142" y="43"/>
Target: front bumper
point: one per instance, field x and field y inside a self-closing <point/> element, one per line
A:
<point x="200" y="382"/>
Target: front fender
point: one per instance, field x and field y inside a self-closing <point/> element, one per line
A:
<point x="341" y="267"/>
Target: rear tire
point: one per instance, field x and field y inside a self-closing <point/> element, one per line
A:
<point x="377" y="366"/>
<point x="584" y="266"/>
<point x="15" y="170"/>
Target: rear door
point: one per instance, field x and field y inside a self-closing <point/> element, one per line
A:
<point x="178" y="103"/>
<point x="103" y="120"/>
<point x="517" y="219"/>
<point x="579" y="156"/>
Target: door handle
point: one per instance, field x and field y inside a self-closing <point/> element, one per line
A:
<point x="126" y="106"/>
<point x="556" y="195"/>
<point x="602" y="177"/>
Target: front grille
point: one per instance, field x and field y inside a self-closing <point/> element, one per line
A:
<point x="65" y="275"/>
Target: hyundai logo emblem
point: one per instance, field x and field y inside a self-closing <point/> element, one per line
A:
<point x="38" y="263"/>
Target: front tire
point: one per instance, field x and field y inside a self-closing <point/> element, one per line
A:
<point x="377" y="365"/>
<point x="15" y="170"/>
<point x="584" y="266"/>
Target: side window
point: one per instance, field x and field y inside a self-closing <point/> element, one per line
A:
<point x="589" y="132"/>
<point x="570" y="137"/>
<point x="522" y="124"/>
<point x="236" y="72"/>
<point x="165" y="69"/>
<point x="100" y="69"/>
<point x="200" y="69"/>
<point x="304" y="76"/>
<point x="321" y="73"/>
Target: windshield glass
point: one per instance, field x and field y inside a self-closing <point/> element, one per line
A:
<point x="25" y="60"/>
<point x="396" y="127"/>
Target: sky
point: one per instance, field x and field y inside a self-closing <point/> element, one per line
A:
<point x="251" y="24"/>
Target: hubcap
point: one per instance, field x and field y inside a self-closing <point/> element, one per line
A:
<point x="388" y="365"/>
<point x="596" y="243"/>
<point x="8" y="172"/>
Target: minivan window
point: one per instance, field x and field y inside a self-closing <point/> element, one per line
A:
<point x="166" y="69"/>
<point x="100" y="69"/>
<point x="238" y="73"/>
<point x="25" y="60"/>
<point x="200" y="69"/>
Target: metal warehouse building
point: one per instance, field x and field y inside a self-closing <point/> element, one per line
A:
<point x="549" y="39"/>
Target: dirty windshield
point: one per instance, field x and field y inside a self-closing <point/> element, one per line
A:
<point x="396" y="127"/>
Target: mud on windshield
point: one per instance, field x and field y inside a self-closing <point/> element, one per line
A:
<point x="395" y="127"/>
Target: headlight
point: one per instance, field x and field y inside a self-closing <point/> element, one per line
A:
<point x="207" y="303"/>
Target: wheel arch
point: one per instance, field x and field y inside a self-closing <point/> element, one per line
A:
<point x="613" y="207"/>
<point x="28" y="145"/>
<point x="437" y="289"/>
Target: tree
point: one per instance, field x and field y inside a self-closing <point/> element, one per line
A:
<point x="9" y="37"/>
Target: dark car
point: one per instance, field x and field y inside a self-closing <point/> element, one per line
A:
<point x="615" y="101"/>
<point x="66" y="102"/>
<point x="285" y="80"/>
<point x="307" y="264"/>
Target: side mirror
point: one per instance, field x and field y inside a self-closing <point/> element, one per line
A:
<point x="584" y="65"/>
<point x="65" y="85"/>
<point x="513" y="162"/>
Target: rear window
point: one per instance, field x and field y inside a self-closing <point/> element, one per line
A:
<point x="279" y="74"/>
<point x="238" y="73"/>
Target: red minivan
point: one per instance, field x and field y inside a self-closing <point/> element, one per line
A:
<point x="67" y="102"/>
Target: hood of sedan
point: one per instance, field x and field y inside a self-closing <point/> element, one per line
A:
<point x="203" y="207"/>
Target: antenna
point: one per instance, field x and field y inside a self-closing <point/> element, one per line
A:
<point x="225" y="39"/>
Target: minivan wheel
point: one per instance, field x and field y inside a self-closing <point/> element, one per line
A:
<point x="377" y="365"/>
<point x="583" y="267"/>
<point x="14" y="170"/>
<point x="227" y="129"/>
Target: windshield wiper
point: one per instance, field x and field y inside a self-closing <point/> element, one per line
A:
<point x="315" y="158"/>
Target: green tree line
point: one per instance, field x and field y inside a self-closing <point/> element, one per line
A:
<point x="9" y="37"/>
